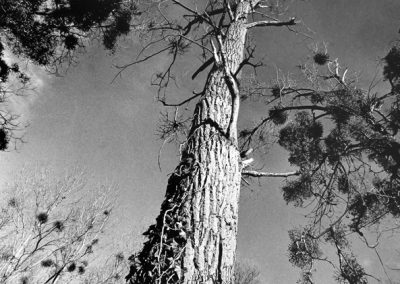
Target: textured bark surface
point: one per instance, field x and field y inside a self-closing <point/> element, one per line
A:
<point x="194" y="238"/>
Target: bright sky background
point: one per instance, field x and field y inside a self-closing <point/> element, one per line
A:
<point x="81" y="118"/>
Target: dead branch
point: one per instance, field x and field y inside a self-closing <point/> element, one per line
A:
<point x="290" y="22"/>
<point x="251" y="173"/>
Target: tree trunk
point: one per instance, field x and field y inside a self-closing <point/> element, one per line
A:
<point x="194" y="238"/>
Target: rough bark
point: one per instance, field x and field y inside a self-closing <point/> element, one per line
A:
<point x="194" y="238"/>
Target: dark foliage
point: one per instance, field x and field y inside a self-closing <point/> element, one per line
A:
<point x="4" y="139"/>
<point x="276" y="91"/>
<point x="71" y="41"/>
<point x="278" y="116"/>
<point x="335" y="145"/>
<point x="336" y="235"/>
<point x="47" y="32"/>
<point x="344" y="184"/>
<point x="321" y="58"/>
<point x="296" y="191"/>
<point x="301" y="139"/>
<point x="4" y="70"/>
<point x="368" y="207"/>
<point x="59" y="226"/>
<point x="315" y="130"/>
<point x="40" y="29"/>
<point x="344" y="103"/>
<point x="351" y="271"/>
<point x="119" y="25"/>
<point x="317" y="98"/>
<point x="71" y="267"/>
<point x="81" y="270"/>
<point x="42" y="217"/>
<point x="12" y="202"/>
<point x="303" y="249"/>
<point x="391" y="70"/>
<point x="47" y="263"/>
<point x="344" y="142"/>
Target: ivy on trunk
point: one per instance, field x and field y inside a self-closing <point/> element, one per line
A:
<point x="194" y="237"/>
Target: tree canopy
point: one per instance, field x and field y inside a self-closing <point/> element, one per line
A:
<point x="343" y="141"/>
<point x="50" y="226"/>
<point x="50" y="33"/>
<point x="47" y="32"/>
<point x="341" y="137"/>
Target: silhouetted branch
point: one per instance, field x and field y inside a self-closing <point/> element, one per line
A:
<point x="181" y="103"/>
<point x="274" y="23"/>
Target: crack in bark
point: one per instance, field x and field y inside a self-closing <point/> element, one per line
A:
<point x="220" y="250"/>
<point x="216" y="126"/>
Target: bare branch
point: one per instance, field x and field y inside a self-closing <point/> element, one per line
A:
<point x="124" y="67"/>
<point x="182" y="102"/>
<point x="267" y="174"/>
<point x="230" y="11"/>
<point x="200" y="18"/>
<point x="215" y="53"/>
<point x="203" y="67"/>
<point x="290" y="22"/>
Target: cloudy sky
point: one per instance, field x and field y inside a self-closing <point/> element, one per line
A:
<point x="81" y="118"/>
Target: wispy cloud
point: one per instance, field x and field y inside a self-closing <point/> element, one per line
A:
<point x="22" y="97"/>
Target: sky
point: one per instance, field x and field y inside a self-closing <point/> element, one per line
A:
<point x="109" y="128"/>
